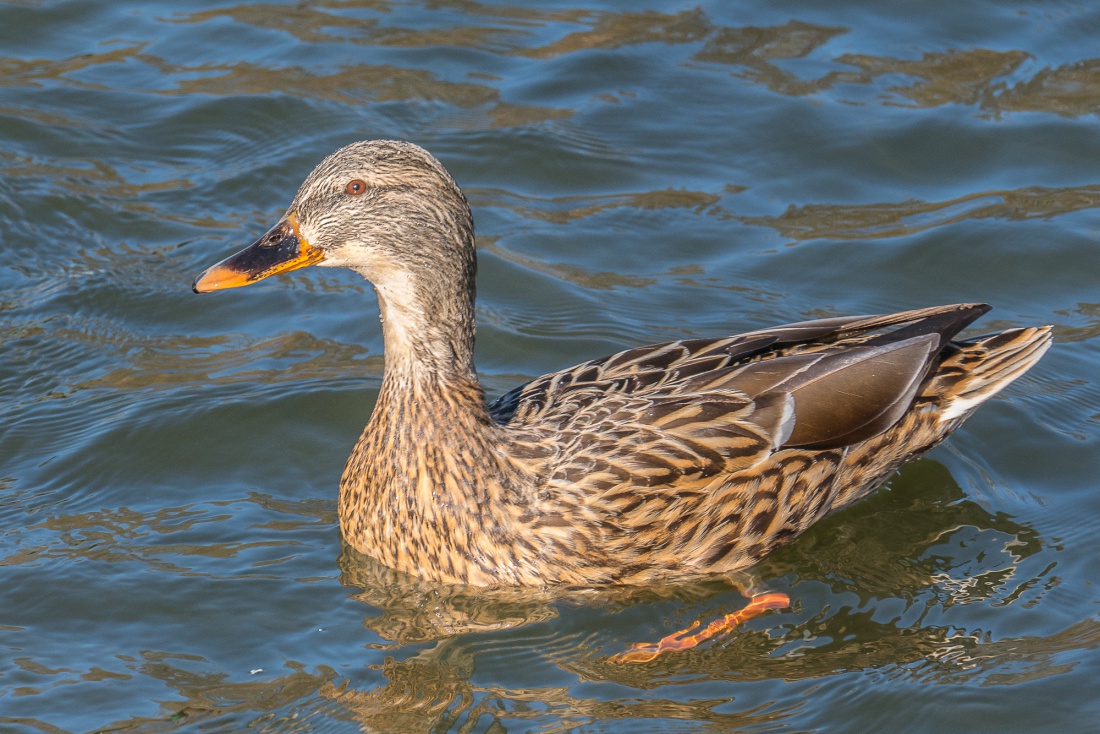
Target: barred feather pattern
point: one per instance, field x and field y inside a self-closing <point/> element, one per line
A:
<point x="659" y="463"/>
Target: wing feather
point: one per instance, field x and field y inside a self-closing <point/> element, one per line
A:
<point x="686" y="411"/>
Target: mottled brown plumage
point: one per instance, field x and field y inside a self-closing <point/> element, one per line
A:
<point x="662" y="462"/>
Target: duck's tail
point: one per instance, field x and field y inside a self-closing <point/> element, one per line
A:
<point x="981" y="367"/>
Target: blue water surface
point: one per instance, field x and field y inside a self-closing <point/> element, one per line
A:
<point x="170" y="558"/>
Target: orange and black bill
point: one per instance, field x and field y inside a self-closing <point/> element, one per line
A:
<point x="281" y="250"/>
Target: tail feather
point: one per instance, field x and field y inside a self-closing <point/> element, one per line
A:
<point x="983" y="366"/>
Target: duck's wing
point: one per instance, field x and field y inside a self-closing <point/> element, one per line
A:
<point x="689" y="410"/>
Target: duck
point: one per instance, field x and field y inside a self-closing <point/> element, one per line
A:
<point x="666" y="462"/>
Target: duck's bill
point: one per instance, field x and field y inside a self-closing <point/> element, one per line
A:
<point x="281" y="250"/>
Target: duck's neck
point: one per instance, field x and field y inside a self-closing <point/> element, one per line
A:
<point x="428" y="332"/>
<point x="429" y="369"/>
<point x="429" y="379"/>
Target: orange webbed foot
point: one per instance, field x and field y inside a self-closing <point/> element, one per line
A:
<point x="643" y="652"/>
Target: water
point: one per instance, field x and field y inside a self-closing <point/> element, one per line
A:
<point x="168" y="463"/>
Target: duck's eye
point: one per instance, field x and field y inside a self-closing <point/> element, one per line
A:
<point x="355" y="187"/>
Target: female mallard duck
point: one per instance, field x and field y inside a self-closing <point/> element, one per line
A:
<point x="662" y="462"/>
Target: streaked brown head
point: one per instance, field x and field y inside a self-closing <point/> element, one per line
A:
<point x="381" y="207"/>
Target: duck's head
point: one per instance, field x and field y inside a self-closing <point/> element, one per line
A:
<point x="380" y="207"/>
<point x="388" y="210"/>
